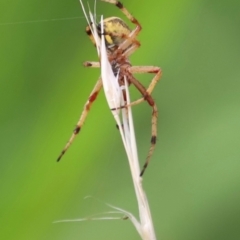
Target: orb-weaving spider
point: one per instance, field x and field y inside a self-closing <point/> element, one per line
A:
<point x="121" y="42"/>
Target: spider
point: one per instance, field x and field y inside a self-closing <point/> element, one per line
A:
<point x="121" y="42"/>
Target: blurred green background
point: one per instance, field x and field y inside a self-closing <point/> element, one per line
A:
<point x="193" y="180"/>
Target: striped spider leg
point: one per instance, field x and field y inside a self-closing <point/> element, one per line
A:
<point x="84" y="114"/>
<point x="147" y="97"/>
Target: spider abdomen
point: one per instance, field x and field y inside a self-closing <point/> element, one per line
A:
<point x="115" y="32"/>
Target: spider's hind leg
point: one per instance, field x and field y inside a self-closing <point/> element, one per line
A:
<point x="153" y="138"/>
<point x="147" y="97"/>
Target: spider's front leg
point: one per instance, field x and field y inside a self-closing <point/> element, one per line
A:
<point x="131" y="18"/>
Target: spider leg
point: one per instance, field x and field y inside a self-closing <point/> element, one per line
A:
<point x="129" y="51"/>
<point x="91" y="64"/>
<point x="135" y="32"/>
<point x="89" y="33"/>
<point x="130" y="42"/>
<point x="156" y="78"/>
<point x="147" y="97"/>
<point x="124" y="11"/>
<point x="148" y="69"/>
<point x="125" y="53"/>
<point x="83" y="116"/>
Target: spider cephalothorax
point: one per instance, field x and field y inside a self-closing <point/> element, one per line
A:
<point x="121" y="42"/>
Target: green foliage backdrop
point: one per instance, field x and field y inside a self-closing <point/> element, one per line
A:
<point x="193" y="179"/>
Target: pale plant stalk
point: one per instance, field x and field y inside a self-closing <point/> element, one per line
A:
<point x="124" y="119"/>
